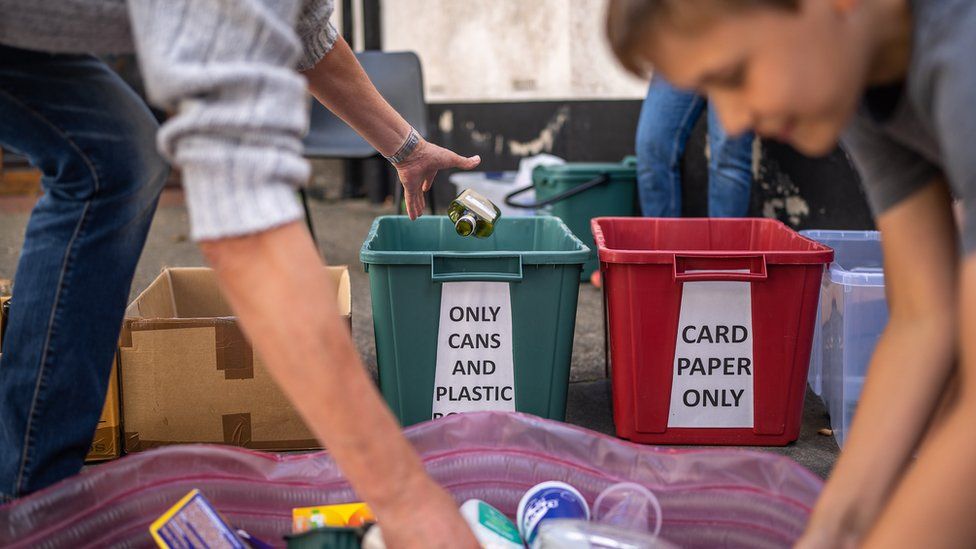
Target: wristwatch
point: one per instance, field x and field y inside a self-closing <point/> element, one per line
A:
<point x="409" y="145"/>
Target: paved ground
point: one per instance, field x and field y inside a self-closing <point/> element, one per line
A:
<point x="341" y="228"/>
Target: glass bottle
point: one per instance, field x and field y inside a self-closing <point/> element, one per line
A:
<point x="473" y="214"/>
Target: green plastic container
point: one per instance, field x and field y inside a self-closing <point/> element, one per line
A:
<point x="327" y="537"/>
<point x="614" y="196"/>
<point x="408" y="262"/>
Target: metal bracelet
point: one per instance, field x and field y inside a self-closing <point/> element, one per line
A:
<point x="409" y="145"/>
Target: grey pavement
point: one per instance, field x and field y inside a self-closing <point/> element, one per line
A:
<point x="341" y="227"/>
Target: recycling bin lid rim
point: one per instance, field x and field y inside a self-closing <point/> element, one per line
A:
<point x="571" y="257"/>
<point x="818" y="253"/>
<point x="578" y="255"/>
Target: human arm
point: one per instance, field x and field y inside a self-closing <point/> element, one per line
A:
<point x="340" y="83"/>
<point x="933" y="506"/>
<point x="224" y="69"/>
<point x="907" y="373"/>
<point x="294" y="325"/>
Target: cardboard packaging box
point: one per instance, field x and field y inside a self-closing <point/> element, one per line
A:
<point x="188" y="374"/>
<point x="106" y="443"/>
<point x="3" y="318"/>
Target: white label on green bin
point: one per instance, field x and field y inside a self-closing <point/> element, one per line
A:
<point x="713" y="364"/>
<point x="475" y="368"/>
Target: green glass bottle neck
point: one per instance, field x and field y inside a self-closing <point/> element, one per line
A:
<point x="465" y="224"/>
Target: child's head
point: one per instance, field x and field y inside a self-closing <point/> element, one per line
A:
<point x="789" y="69"/>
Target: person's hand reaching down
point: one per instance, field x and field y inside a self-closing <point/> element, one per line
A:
<point x="417" y="172"/>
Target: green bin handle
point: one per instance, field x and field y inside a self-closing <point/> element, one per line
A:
<point x="467" y="267"/>
<point x="601" y="179"/>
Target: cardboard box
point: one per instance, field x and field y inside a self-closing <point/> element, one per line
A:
<point x="3" y="318"/>
<point x="106" y="443"/>
<point x="188" y="374"/>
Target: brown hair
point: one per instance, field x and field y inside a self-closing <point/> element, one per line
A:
<point x="629" y="21"/>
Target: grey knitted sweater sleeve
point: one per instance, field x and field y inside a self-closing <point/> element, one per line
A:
<point x="226" y="68"/>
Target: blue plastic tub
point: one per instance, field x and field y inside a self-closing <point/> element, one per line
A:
<point x="852" y="314"/>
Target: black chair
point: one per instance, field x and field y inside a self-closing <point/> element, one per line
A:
<point x="399" y="78"/>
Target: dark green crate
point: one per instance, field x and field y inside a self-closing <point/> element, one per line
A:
<point x="408" y="260"/>
<point x="327" y="537"/>
<point x="616" y="198"/>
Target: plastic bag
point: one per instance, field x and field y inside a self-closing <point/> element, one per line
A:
<point x="709" y="497"/>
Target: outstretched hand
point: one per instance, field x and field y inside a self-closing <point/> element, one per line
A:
<point x="417" y="172"/>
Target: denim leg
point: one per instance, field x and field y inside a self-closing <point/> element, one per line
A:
<point x="666" y="121"/>
<point x="729" y="170"/>
<point x="94" y="141"/>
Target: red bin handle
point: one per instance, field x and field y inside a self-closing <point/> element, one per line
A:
<point x="718" y="267"/>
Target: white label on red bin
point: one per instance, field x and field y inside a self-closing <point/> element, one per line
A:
<point x="475" y="366"/>
<point x="712" y="384"/>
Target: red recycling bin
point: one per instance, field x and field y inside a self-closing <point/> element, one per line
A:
<point x="710" y="324"/>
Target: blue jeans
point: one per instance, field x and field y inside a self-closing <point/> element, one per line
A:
<point x="666" y="122"/>
<point x="93" y="140"/>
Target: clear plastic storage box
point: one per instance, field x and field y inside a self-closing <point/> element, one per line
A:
<point x="852" y="314"/>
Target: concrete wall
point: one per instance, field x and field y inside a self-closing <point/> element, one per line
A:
<point x="508" y="50"/>
<point x="511" y="78"/>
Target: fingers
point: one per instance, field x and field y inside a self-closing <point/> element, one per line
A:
<point x="411" y="199"/>
<point x="411" y="202"/>
<point x="419" y="175"/>
<point x="429" y="180"/>
<point x="420" y="205"/>
<point x="416" y="202"/>
<point x="467" y="163"/>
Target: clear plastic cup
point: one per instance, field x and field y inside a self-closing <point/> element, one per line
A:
<point x="628" y="505"/>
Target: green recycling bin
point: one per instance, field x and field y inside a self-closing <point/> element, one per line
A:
<point x="327" y="537"/>
<point x="468" y="324"/>
<point x="578" y="192"/>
